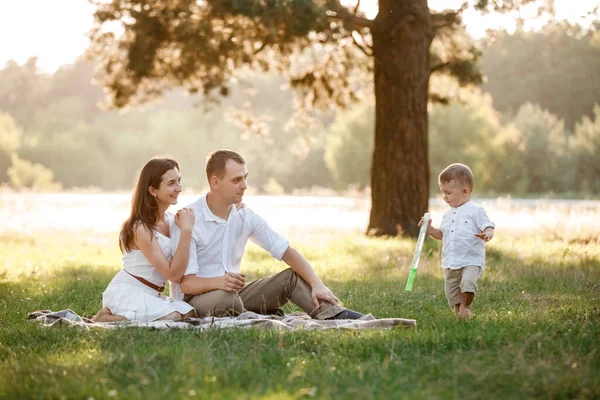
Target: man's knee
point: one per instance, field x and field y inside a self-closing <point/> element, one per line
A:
<point x="291" y="277"/>
<point x="288" y="274"/>
<point x="229" y="301"/>
<point x="218" y="303"/>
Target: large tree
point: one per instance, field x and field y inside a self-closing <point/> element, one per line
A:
<point x="203" y="44"/>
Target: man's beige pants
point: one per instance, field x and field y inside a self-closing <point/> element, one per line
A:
<point x="263" y="296"/>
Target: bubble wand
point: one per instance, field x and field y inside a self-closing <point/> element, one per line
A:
<point x="415" y="261"/>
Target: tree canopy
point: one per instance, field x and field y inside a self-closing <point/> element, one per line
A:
<point x="203" y="46"/>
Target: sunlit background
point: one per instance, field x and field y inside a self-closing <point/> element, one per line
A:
<point x="55" y="31"/>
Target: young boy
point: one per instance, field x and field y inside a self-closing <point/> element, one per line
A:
<point x="464" y="231"/>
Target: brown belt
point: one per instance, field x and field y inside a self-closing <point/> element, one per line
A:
<point x="159" y="289"/>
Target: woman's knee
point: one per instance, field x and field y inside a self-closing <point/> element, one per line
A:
<point x="174" y="316"/>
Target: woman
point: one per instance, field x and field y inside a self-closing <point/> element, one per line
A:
<point x="135" y="293"/>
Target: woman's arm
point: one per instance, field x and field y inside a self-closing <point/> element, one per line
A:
<point x="150" y="248"/>
<point x="230" y="282"/>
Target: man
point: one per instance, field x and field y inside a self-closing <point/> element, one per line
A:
<point x="213" y="284"/>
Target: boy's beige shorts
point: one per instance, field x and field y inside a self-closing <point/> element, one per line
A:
<point x="457" y="281"/>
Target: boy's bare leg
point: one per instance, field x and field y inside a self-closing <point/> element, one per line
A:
<point x="464" y="311"/>
<point x="104" y="315"/>
<point x="456" y="309"/>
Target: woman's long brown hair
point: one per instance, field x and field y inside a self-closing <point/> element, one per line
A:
<point x="144" y="207"/>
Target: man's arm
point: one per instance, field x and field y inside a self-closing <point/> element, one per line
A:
<point x="280" y="249"/>
<point x="301" y="266"/>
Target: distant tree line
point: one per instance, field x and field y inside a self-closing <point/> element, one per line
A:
<point x="540" y="134"/>
<point x="528" y="154"/>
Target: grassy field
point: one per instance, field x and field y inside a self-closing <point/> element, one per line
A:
<point x="535" y="332"/>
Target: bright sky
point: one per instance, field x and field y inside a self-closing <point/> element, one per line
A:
<point x="55" y="30"/>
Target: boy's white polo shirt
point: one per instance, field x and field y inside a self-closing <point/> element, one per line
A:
<point x="460" y="246"/>
<point x="218" y="245"/>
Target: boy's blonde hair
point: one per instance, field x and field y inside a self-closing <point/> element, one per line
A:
<point x="459" y="173"/>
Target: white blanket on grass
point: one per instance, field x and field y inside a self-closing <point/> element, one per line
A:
<point x="248" y="319"/>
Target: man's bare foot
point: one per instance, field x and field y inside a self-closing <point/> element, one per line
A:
<point x="101" y="316"/>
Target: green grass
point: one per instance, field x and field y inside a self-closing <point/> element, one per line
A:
<point x="535" y="332"/>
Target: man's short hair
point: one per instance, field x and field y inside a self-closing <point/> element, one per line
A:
<point x="215" y="162"/>
<point x="459" y="173"/>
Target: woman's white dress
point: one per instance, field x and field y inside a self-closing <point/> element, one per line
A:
<point x="129" y="297"/>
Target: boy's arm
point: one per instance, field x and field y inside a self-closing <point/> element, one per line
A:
<point x="431" y="231"/>
<point x="434" y="232"/>
<point x="485" y="226"/>
<point x="487" y="234"/>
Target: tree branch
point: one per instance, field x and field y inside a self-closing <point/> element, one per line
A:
<point x="364" y="41"/>
<point x="361" y="47"/>
<point x="447" y="25"/>
<point x="262" y="47"/>
<point x="357" y="7"/>
<point x="357" y="22"/>
<point x="438" y="67"/>
<point x="447" y="18"/>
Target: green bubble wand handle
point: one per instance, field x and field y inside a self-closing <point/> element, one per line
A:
<point x="415" y="261"/>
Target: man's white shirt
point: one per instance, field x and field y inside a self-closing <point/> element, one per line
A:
<point x="460" y="246"/>
<point x="218" y="245"/>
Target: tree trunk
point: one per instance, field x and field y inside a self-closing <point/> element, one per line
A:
<point x="400" y="169"/>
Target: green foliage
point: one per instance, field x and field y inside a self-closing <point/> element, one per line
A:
<point x="273" y="187"/>
<point x="86" y="146"/>
<point x="350" y="147"/>
<point x="454" y="55"/>
<point x="25" y="174"/>
<point x="534" y="332"/>
<point x="563" y="76"/>
<point x="10" y="134"/>
<point x="54" y="120"/>
<point x="10" y="141"/>
<point x="162" y="45"/>
<point x="463" y="132"/>
<point x="23" y="91"/>
<point x="586" y="145"/>
<point x="159" y="47"/>
<point x="529" y="153"/>
<point x="543" y="148"/>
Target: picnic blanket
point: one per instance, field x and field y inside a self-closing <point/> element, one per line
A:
<point x="295" y="321"/>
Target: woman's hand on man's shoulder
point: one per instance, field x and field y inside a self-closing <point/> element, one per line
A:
<point x="185" y="218"/>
